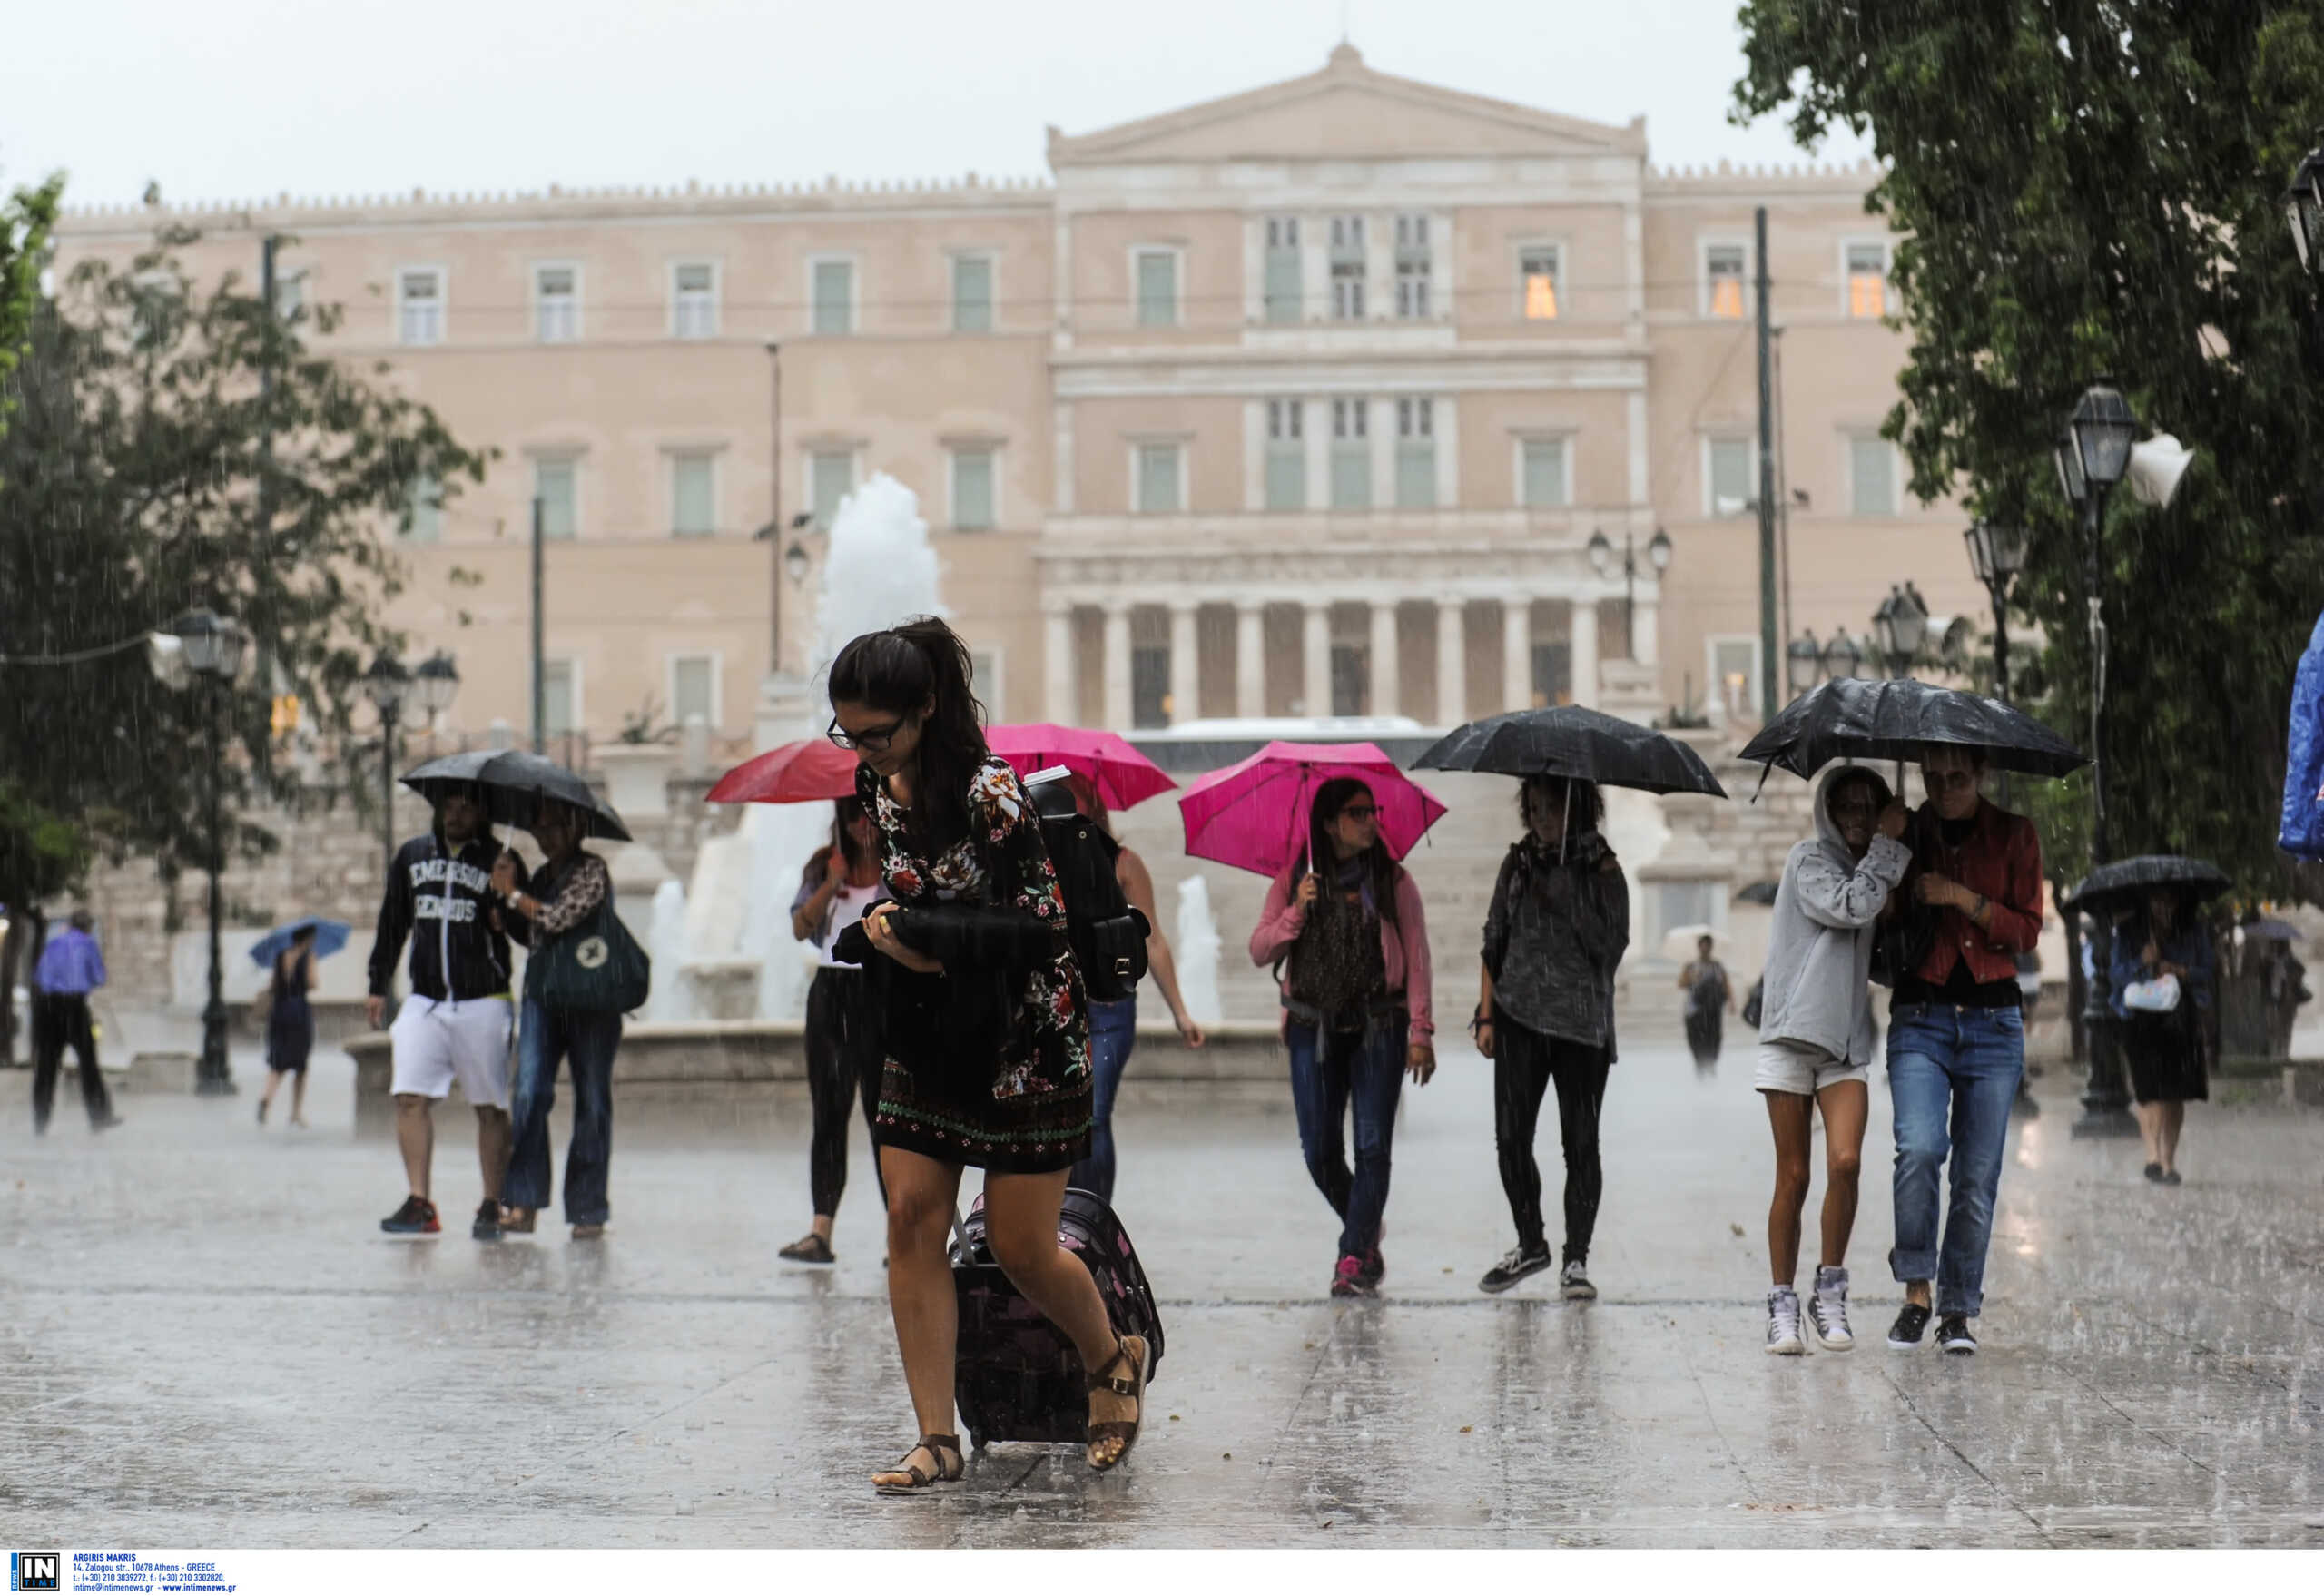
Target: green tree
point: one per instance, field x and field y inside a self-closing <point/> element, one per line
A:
<point x="2090" y="187"/>
<point x="25" y="220"/>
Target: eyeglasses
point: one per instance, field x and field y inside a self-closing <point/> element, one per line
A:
<point x="1359" y="811"/>
<point x="874" y="741"/>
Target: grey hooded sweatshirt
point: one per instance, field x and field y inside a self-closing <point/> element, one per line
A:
<point x="1820" y="944"/>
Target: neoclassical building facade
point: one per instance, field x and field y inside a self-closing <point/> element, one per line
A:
<point x="1347" y="395"/>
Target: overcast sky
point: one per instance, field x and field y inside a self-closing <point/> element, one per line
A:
<point x="239" y="99"/>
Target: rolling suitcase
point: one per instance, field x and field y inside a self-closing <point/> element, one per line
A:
<point x="1018" y="1377"/>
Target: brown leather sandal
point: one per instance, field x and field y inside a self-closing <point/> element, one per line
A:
<point x="810" y="1248"/>
<point x="1102" y="1455"/>
<point x="936" y="1447"/>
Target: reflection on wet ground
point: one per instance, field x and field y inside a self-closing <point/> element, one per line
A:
<point x="207" y="1340"/>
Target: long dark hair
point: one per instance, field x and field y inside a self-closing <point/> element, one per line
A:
<point x="1583" y="804"/>
<point x="922" y="664"/>
<point x="844" y="814"/>
<point x="1323" y="852"/>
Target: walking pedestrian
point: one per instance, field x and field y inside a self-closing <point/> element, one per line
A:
<point x="562" y="901"/>
<point x="456" y="1024"/>
<point x="985" y="1056"/>
<point x="1815" y="1036"/>
<point x="70" y="968"/>
<point x="2163" y="1028"/>
<point x="1957" y="1040"/>
<point x="1710" y="995"/>
<point x="1554" y="933"/>
<point x="1345" y="926"/>
<point x="1113" y="1026"/>
<point x="841" y="882"/>
<point x="289" y="1024"/>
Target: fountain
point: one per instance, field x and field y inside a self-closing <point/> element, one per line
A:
<point x="1197" y="948"/>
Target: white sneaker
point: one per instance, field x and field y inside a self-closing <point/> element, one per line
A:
<point x="1827" y="1310"/>
<point x="1783" y="1323"/>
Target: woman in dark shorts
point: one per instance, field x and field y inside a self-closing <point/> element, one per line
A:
<point x="2163" y="1051"/>
<point x="986" y="1063"/>
<point x="291" y="1024"/>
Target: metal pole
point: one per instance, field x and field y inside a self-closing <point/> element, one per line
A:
<point x="774" y="512"/>
<point x="540" y="656"/>
<point x="1768" y="656"/>
<point x="391" y="717"/>
<point x="2000" y="595"/>
<point x="262" y="499"/>
<point x="212" y="1076"/>
<point x="2105" y="1105"/>
<point x="1629" y="596"/>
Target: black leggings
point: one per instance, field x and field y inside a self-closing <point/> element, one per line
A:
<point x="1524" y="1064"/>
<point x="842" y="1065"/>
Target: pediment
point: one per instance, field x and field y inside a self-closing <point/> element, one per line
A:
<point x="1345" y="111"/>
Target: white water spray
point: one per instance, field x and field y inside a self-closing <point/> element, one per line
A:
<point x="1197" y="952"/>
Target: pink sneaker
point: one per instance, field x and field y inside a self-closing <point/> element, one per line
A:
<point x="1348" y="1279"/>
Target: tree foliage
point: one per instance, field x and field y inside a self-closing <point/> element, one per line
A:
<point x="26" y="219"/>
<point x="2090" y="187"/>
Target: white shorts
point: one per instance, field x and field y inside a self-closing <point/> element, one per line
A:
<point x="437" y="1043"/>
<point x="1802" y="1069"/>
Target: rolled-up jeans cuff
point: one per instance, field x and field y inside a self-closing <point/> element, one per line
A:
<point x="1905" y="1268"/>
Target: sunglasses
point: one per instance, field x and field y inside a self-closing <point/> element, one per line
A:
<point x="874" y="741"/>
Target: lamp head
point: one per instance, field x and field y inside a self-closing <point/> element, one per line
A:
<point x="385" y="684"/>
<point x="2103" y="429"/>
<point x="212" y="644"/>
<point x="1601" y="553"/>
<point x="1803" y="663"/>
<point x="1843" y="656"/>
<point x="794" y="561"/>
<point x="436" y="683"/>
<point x="1658" y="551"/>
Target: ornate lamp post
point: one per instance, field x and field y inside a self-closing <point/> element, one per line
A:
<point x="2091" y="457"/>
<point x="1900" y="626"/>
<point x="1843" y="656"/>
<point x="1803" y="663"/>
<point x="212" y="648"/>
<point x="386" y="684"/>
<point x="1601" y="558"/>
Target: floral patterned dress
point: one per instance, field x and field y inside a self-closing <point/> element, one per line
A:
<point x="1036" y="1117"/>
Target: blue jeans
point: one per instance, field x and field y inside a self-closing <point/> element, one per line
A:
<point x="1952" y="1076"/>
<point x="1113" y="1031"/>
<point x="1363" y="1071"/>
<point x="586" y="1038"/>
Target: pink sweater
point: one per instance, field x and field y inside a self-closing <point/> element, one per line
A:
<point x="1403" y="947"/>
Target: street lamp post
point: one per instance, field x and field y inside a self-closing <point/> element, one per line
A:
<point x="1843" y="657"/>
<point x="214" y="648"/>
<point x="1900" y="627"/>
<point x="385" y="684"/>
<point x="2091" y="457"/>
<point x="1601" y="557"/>
<point x="1803" y="663"/>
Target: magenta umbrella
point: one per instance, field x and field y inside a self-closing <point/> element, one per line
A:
<point x="1122" y="776"/>
<point x="1254" y="815"/>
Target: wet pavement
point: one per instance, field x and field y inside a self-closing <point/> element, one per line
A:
<point x="205" y="1340"/>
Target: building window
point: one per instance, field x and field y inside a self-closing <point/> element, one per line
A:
<point x="831" y="478"/>
<point x="1872" y="475"/>
<point x="1157" y="288"/>
<point x="987" y="679"/>
<point x="1415" y="454"/>
<point x="1545" y="485"/>
<point x="423" y="510"/>
<point x="1159" y="468"/>
<point x="693" y="495"/>
<point x="1727" y="476"/>
<point x="1351" y="455"/>
<point x="972" y="489"/>
<point x="1284" y="288"/>
<point x="557" y="303"/>
<point x="1537" y="272"/>
<point x="1868" y="267"/>
<point x="1286" y="471"/>
<point x="1734" y="666"/>
<point x="694" y="688"/>
<point x="1150" y="685"/>
<point x="1682" y="903"/>
<point x="419" y="305"/>
<point x="972" y="293"/>
<point x="290" y="295"/>
<point x="694" y="299"/>
<point x="560" y="696"/>
<point x="1347" y="268"/>
<point x="1723" y="271"/>
<point x="557" y="483"/>
<point x="1412" y="267"/>
<point x="834" y="284"/>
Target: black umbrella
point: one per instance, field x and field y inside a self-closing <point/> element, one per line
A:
<point x="1571" y="741"/>
<point x="1762" y="892"/>
<point x="1851" y="718"/>
<point x="2124" y="885"/>
<point x="513" y="783"/>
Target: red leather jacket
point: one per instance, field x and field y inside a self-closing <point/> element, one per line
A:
<point x="2002" y="859"/>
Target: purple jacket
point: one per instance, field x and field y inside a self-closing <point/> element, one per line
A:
<point x="70" y="966"/>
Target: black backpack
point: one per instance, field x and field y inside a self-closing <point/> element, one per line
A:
<point x="1108" y="936"/>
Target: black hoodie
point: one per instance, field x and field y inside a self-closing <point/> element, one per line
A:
<point x="449" y="896"/>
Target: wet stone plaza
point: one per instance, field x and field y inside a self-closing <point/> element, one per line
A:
<point x="206" y="1341"/>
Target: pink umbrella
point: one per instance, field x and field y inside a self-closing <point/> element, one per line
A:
<point x="1254" y="815"/>
<point x="1122" y="776"/>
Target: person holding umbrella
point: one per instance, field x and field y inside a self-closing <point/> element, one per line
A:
<point x="1710" y="995"/>
<point x="2163" y="974"/>
<point x="289" y="1022"/>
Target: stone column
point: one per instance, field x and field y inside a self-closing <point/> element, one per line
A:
<point x="1517" y="652"/>
<point x="1116" y="667"/>
<point x="1583" y="630"/>
<point x="1250" y="659"/>
<point x="1452" y="661"/>
<point x="1315" y="656"/>
<point x="1061" y="699"/>
<point x="1384" y="657"/>
<point x="1186" y="675"/>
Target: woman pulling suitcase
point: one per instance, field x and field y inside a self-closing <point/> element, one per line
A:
<point x="985" y="1059"/>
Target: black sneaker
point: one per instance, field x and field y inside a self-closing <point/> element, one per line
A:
<point x="1953" y="1334"/>
<point x="1519" y="1264"/>
<point x="1911" y="1324"/>
<point x="1374" y="1270"/>
<point x="1573" y="1282"/>
<point x="488" y="1220"/>
<point x="2155" y="1173"/>
<point x="415" y="1217"/>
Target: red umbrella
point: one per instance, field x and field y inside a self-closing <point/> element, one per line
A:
<point x="1254" y="815"/>
<point x="1122" y="776"/>
<point x="797" y="773"/>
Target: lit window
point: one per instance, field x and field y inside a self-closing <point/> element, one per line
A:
<point x="1536" y="264"/>
<point x="831" y="478"/>
<point x="1157" y="288"/>
<point x="557" y="304"/>
<point x="1284" y="288"/>
<point x="1723" y="280"/>
<point x="835" y="296"/>
<point x="972" y="475"/>
<point x="1347" y="268"/>
<point x="693" y="495"/>
<point x="419" y="306"/>
<point x="972" y="293"/>
<point x="1867" y="281"/>
<point x="1545" y="485"/>
<point x="556" y="483"/>
<point x="1415" y="454"/>
<point x="1158" y="478"/>
<point x="1287" y="470"/>
<point x="693" y="301"/>
<point x="1414" y="265"/>
<point x="1730" y="476"/>
<point x="1872" y="475"/>
<point x="1351" y="455"/>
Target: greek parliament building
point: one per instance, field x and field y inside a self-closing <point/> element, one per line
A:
<point x="1310" y="401"/>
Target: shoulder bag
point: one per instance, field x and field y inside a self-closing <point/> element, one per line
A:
<point x="596" y="965"/>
